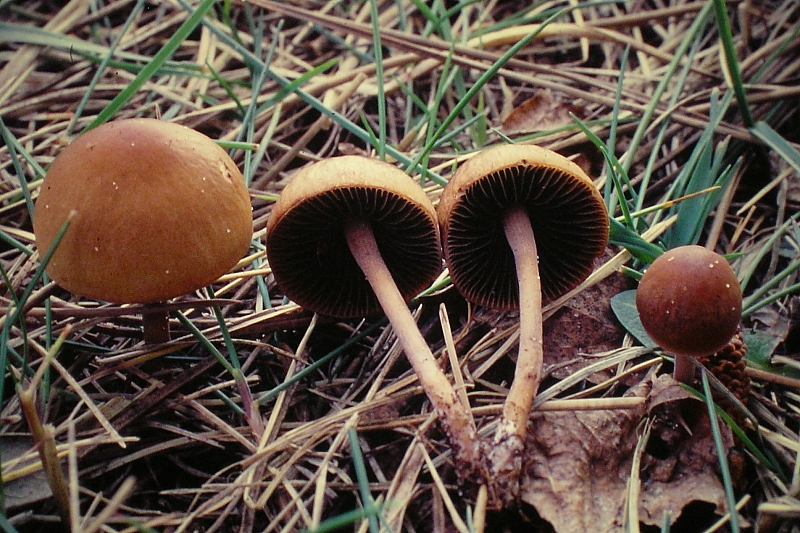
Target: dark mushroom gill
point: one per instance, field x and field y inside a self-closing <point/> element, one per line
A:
<point x="314" y="267"/>
<point x="564" y="214"/>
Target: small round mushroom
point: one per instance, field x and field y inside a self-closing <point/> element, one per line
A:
<point x="160" y="210"/>
<point x="520" y="223"/>
<point x="690" y="304"/>
<point x="350" y="236"/>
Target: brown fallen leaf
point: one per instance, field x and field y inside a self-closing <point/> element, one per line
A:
<point x="24" y="491"/>
<point x="578" y="464"/>
<point x="584" y="325"/>
<point x="541" y="112"/>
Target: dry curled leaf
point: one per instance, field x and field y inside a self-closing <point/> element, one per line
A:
<point x="541" y="112"/>
<point x="578" y="463"/>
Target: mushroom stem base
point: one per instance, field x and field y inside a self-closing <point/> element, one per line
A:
<point x="155" y="323"/>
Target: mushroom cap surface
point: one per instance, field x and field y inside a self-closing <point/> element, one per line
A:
<point x="690" y="301"/>
<point x="160" y="210"/>
<point x="567" y="213"/>
<point x="306" y="245"/>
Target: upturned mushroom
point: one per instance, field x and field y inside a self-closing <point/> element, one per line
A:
<point x="520" y="224"/>
<point x="351" y="236"/>
<point x="160" y="210"/>
<point x="690" y="304"/>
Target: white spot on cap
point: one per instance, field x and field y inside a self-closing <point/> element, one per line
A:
<point x="672" y="258"/>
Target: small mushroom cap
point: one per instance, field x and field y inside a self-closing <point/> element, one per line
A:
<point x="306" y="246"/>
<point x="690" y="301"/>
<point x="161" y="210"/>
<point x="567" y="213"/>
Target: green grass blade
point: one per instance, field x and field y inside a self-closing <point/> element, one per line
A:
<point x="6" y="525"/>
<point x="785" y="291"/>
<point x="616" y="172"/>
<point x="699" y="173"/>
<point x="104" y="64"/>
<point x="721" y="454"/>
<point x="207" y="344"/>
<point x="226" y="334"/>
<point x="666" y="522"/>
<point x="376" y="39"/>
<point x="226" y="86"/>
<point x="363" y="481"/>
<point x="662" y="132"/>
<point x="774" y="140"/>
<point x="252" y="160"/>
<point x="621" y="235"/>
<point x="14" y="314"/>
<point x="338" y="522"/>
<point x="154" y="64"/>
<point x="731" y="61"/>
<point x="12" y="143"/>
<point x="313" y="367"/>
<point x="767" y="247"/>
<point x="487" y="76"/>
<point x="14" y="243"/>
<point x="680" y="52"/>
<point x="315" y="103"/>
<point x="22" y="34"/>
<point x="611" y="143"/>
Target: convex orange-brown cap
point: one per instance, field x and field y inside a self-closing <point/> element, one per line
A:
<point x="160" y="210"/>
<point x="306" y="244"/>
<point x="690" y="301"/>
<point x="567" y="213"/>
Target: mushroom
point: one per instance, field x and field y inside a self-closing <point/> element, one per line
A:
<point x="509" y="215"/>
<point x="690" y="304"/>
<point x="350" y="236"/>
<point x="160" y="210"/>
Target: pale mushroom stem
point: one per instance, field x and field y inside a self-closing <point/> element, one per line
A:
<point x="684" y="369"/>
<point x="528" y="374"/>
<point x="155" y="325"/>
<point x="455" y="418"/>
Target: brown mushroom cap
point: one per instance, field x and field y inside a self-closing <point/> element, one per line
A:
<point x="306" y="246"/>
<point x="161" y="210"/>
<point x="567" y="213"/>
<point x="690" y="301"/>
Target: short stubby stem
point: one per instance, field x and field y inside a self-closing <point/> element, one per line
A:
<point x="454" y="417"/>
<point x="155" y="323"/>
<point x="684" y="369"/>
